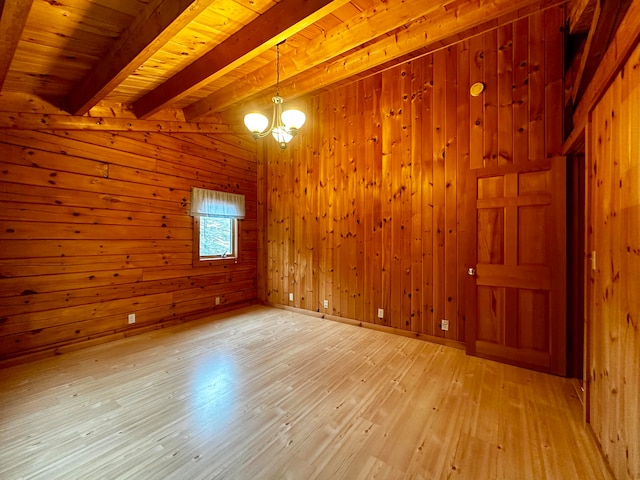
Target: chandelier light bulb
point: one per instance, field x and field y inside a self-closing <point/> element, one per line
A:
<point x="293" y="119"/>
<point x="256" y="122"/>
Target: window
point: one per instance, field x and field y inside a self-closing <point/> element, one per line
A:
<point x="215" y="224"/>
<point x="216" y="237"/>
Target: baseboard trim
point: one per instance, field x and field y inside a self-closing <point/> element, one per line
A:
<point x="62" y="348"/>
<point x="372" y="326"/>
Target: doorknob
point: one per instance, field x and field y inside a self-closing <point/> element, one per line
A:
<point x="471" y="272"/>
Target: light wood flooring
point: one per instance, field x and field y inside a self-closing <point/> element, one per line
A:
<point x="262" y="393"/>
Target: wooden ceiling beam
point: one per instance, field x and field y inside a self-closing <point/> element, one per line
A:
<point x="374" y="22"/>
<point x="427" y="30"/>
<point x="580" y="14"/>
<point x="13" y="17"/>
<point x="618" y="51"/>
<point x="155" y="26"/>
<point x="278" y="23"/>
<point x="606" y="18"/>
<point x="38" y="121"/>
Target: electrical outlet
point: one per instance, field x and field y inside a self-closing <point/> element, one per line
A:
<point x="132" y="318"/>
<point x="444" y="325"/>
<point x="217" y="300"/>
<point x="380" y="313"/>
<point x="291" y="297"/>
<point x="326" y="304"/>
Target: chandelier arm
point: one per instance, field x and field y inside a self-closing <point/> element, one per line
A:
<point x="261" y="135"/>
<point x="276" y="116"/>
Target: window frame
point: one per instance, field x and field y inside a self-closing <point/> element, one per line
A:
<point x="199" y="260"/>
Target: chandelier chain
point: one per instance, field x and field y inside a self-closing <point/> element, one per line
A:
<point x="278" y="69"/>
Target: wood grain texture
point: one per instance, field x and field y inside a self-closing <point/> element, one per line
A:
<point x="204" y="57"/>
<point x="379" y="17"/>
<point x="284" y="19"/>
<point x="155" y="25"/>
<point x="410" y="25"/>
<point x="520" y="267"/>
<point x="613" y="226"/>
<point x="605" y="20"/>
<point x="35" y="121"/>
<point x="13" y="16"/>
<point x="95" y="225"/>
<point x="243" y="395"/>
<point x="618" y="51"/>
<point x="406" y="135"/>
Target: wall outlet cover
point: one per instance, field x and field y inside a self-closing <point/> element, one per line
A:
<point x="380" y="313"/>
<point x="291" y="297"/>
<point x="326" y="304"/>
<point x="444" y="325"/>
<point x="131" y="318"/>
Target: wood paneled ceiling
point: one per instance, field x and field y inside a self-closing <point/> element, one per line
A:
<point x="201" y="57"/>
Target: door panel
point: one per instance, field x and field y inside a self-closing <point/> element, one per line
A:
<point x="490" y="236"/>
<point x="518" y="305"/>
<point x="491" y="301"/>
<point x="533" y="305"/>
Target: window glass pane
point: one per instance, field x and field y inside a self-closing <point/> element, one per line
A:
<point x="216" y="237"/>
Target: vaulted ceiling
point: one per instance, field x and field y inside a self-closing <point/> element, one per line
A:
<point x="203" y="57"/>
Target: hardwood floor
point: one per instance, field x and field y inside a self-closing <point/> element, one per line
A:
<point x="262" y="393"/>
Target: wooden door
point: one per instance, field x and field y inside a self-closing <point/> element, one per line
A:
<point x="517" y="294"/>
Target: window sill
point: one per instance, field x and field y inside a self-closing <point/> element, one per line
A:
<point x="214" y="262"/>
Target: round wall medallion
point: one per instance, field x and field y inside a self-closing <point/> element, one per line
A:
<point x="476" y="89"/>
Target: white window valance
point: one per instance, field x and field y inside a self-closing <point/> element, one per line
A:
<point x="212" y="203"/>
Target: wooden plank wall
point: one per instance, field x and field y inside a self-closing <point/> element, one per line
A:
<point x="364" y="209"/>
<point x="95" y="225"/>
<point x="613" y="216"/>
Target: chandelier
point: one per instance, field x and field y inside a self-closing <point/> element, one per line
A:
<point x="284" y="125"/>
